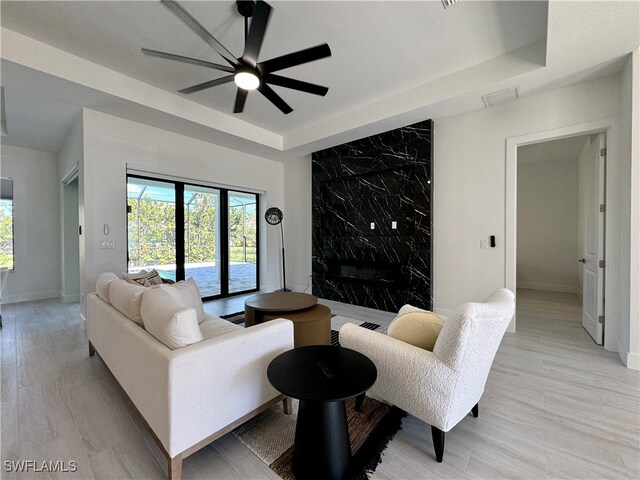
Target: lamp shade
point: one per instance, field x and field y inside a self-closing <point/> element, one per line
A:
<point x="273" y="216"/>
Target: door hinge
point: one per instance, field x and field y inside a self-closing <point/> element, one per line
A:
<point x="130" y="209"/>
<point x="601" y="263"/>
<point x="79" y="229"/>
<point x="601" y="319"/>
<point x="603" y="152"/>
<point x="603" y="208"/>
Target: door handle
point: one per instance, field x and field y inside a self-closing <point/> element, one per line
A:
<point x="582" y="260"/>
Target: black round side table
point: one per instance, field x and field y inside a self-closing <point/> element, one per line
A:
<point x="322" y="377"/>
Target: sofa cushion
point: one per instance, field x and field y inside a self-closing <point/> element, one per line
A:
<point x="215" y="327"/>
<point x="126" y="298"/>
<point x="416" y="326"/>
<point x="174" y="325"/>
<point x="185" y="293"/>
<point x="102" y="285"/>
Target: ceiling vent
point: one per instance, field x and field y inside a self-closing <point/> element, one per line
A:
<point x="503" y="96"/>
<point x="448" y="3"/>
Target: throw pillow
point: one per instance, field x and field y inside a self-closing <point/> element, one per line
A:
<point x="185" y="293"/>
<point x="171" y="324"/>
<point x="416" y="326"/>
<point x="144" y="278"/>
<point x="126" y="298"/>
<point x="102" y="285"/>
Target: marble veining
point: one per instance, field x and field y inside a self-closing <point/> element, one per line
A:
<point x="375" y="180"/>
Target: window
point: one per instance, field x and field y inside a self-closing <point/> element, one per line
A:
<point x="180" y="230"/>
<point x="6" y="223"/>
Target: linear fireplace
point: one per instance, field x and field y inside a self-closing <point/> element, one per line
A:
<point x="372" y="220"/>
<point x="365" y="272"/>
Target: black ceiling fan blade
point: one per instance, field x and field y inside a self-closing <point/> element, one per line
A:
<point x="295" y="84"/>
<point x="241" y="97"/>
<point x="259" y="22"/>
<point x="297" y="58"/>
<point x="180" y="12"/>
<point x="274" y="98"/>
<point x="183" y="59"/>
<point x="209" y="84"/>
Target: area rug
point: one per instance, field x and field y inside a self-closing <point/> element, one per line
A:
<point x="337" y="321"/>
<point x="270" y="436"/>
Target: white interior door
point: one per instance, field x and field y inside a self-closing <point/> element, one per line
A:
<point x="593" y="273"/>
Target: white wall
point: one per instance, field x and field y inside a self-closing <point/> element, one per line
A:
<point x="548" y="225"/>
<point x="629" y="345"/>
<point x="469" y="181"/>
<point x="36" y="224"/>
<point x="111" y="144"/>
<point x="297" y="223"/>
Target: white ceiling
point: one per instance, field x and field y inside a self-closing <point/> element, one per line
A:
<point x="393" y="63"/>
<point x="379" y="48"/>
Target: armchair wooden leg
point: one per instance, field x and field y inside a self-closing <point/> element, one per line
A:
<point x="92" y="351"/>
<point x="359" y="400"/>
<point x="438" y="442"/>
<point x="175" y="467"/>
<point x="474" y="411"/>
<point x="286" y="405"/>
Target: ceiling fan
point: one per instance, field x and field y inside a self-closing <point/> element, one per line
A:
<point x="246" y="71"/>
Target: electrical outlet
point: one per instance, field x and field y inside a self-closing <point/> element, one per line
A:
<point x="483" y="244"/>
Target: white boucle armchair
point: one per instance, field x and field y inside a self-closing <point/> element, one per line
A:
<point x="443" y="386"/>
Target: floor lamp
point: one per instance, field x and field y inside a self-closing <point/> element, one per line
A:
<point x="274" y="216"/>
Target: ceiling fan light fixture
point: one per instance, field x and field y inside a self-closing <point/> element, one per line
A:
<point x="246" y="79"/>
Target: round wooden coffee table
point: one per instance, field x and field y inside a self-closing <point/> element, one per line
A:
<point x="322" y="377"/>
<point x="311" y="321"/>
<point x="257" y="305"/>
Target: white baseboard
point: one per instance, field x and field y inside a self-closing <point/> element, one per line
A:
<point x="75" y="298"/>
<point x="29" y="296"/>
<point x="631" y="360"/>
<point x="548" y="287"/>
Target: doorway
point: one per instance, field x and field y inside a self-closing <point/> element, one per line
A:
<point x="560" y="219"/>
<point x="71" y="240"/>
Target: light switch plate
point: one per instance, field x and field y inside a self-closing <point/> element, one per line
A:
<point x="373" y="226"/>
<point x="394" y="225"/>
<point x="107" y="244"/>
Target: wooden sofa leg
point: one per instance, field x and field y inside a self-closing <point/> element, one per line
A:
<point x="438" y="442"/>
<point x="474" y="411"/>
<point x="92" y="351"/>
<point x="286" y="405"/>
<point x="175" y="467"/>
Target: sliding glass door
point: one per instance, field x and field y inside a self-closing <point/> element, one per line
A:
<point x="151" y="226"/>
<point x="243" y="241"/>
<point x="202" y="255"/>
<point x="188" y="242"/>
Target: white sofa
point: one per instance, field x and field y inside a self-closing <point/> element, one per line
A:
<point x="192" y="395"/>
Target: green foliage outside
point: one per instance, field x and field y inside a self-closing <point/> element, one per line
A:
<point x="152" y="231"/>
<point x="6" y="234"/>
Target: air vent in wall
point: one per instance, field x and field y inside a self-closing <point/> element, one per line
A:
<point x="503" y="96"/>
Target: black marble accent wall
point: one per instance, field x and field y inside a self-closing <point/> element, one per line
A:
<point x="372" y="220"/>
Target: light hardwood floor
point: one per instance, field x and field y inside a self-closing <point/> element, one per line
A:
<point x="556" y="406"/>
